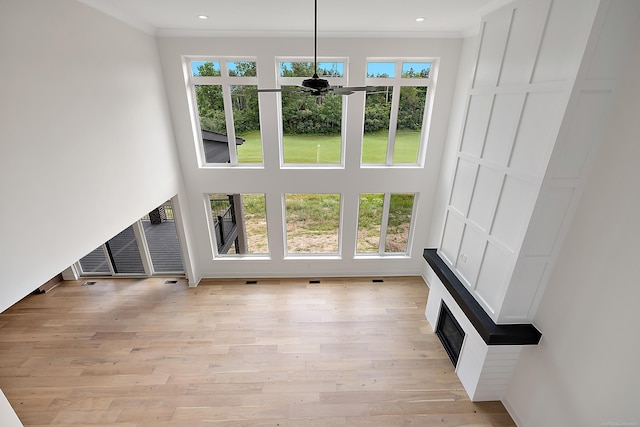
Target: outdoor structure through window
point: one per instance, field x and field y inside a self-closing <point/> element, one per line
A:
<point x="225" y="97"/>
<point x="239" y="224"/>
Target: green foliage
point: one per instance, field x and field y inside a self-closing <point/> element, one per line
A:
<point x="411" y="107"/>
<point x="306" y="69"/>
<point x="377" y="110"/>
<point x="211" y="108"/>
<point x="245" y="109"/>
<point x="411" y="74"/>
<point x="298" y="69"/>
<point x="208" y="69"/>
<point x="301" y="114"/>
<point x="244" y="69"/>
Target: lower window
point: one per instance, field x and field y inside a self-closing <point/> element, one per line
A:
<point x="384" y="223"/>
<point x="239" y="224"/>
<point x="312" y="223"/>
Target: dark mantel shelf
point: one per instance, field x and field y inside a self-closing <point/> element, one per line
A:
<point x="491" y="333"/>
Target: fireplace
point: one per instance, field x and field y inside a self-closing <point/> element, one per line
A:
<point x="450" y="333"/>
<point x="490" y="352"/>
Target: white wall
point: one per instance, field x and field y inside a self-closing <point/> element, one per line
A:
<point x="86" y="144"/>
<point x="585" y="371"/>
<point x="274" y="181"/>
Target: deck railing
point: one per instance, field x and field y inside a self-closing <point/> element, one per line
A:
<point x="224" y="222"/>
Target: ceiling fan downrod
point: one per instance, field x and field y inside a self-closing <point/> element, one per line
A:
<point x="315" y="40"/>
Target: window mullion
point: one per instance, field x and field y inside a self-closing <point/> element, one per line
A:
<point x="231" y="131"/>
<point x="386" y="204"/>
<point x="107" y="256"/>
<point x="393" y="123"/>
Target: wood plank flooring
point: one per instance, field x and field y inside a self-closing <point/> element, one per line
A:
<point x="339" y="353"/>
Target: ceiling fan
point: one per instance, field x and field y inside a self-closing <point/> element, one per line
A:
<point x="316" y="86"/>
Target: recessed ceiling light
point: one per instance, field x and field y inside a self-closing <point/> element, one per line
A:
<point x="203" y="17"/>
<point x="420" y="19"/>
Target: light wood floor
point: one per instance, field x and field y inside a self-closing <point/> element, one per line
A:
<point x="344" y="352"/>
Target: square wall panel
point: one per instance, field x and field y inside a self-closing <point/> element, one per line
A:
<point x="485" y="197"/>
<point x="470" y="256"/>
<point x="453" y="228"/>
<point x="493" y="274"/>
<point x="463" y="186"/>
<point x="524" y="38"/>
<point x="492" y="42"/>
<point x="502" y="127"/>
<point x="475" y="127"/>
<point x="563" y="40"/>
<point x="537" y="133"/>
<point x="510" y="218"/>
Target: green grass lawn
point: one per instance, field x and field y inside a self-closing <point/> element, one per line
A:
<point x="326" y="148"/>
<point x="312" y="224"/>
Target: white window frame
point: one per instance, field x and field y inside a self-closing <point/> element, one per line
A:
<point x="297" y="81"/>
<point x="397" y="82"/>
<point x="225" y="81"/>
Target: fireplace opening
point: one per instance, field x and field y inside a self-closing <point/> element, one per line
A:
<point x="450" y="333"/>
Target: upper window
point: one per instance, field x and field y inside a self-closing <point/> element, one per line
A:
<point x="396" y="112"/>
<point x="311" y="127"/>
<point x="225" y="100"/>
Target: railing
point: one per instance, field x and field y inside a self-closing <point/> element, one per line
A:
<point x="224" y="222"/>
<point x="165" y="211"/>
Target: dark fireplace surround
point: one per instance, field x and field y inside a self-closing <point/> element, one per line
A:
<point x="490" y="332"/>
<point x="450" y="333"/>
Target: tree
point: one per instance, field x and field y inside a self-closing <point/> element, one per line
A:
<point x="411" y="107"/>
<point x="244" y="69"/>
<point x="211" y="108"/>
<point x="208" y="69"/>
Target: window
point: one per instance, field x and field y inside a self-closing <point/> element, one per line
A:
<point x="225" y="101"/>
<point x="312" y="223"/>
<point x="149" y="246"/>
<point x="311" y="127"/>
<point x="239" y="224"/>
<point x="334" y="167"/>
<point x="395" y="112"/>
<point x="384" y="223"/>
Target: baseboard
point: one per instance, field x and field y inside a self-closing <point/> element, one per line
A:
<point x="513" y="413"/>
<point x="49" y="284"/>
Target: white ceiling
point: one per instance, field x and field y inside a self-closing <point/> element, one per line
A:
<point x="289" y="17"/>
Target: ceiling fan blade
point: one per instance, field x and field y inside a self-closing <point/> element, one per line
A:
<point x="348" y="90"/>
<point x="341" y="91"/>
<point x="288" y="89"/>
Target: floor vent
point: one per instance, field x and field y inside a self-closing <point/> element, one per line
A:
<point x="251" y="282"/>
<point x="378" y="281"/>
<point x="88" y="283"/>
<point x="170" y="282"/>
<point x="314" y="282"/>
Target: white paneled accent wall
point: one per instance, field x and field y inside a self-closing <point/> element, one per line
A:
<point x="581" y="131"/>
<point x="528" y="135"/>
<point x="509" y="130"/>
